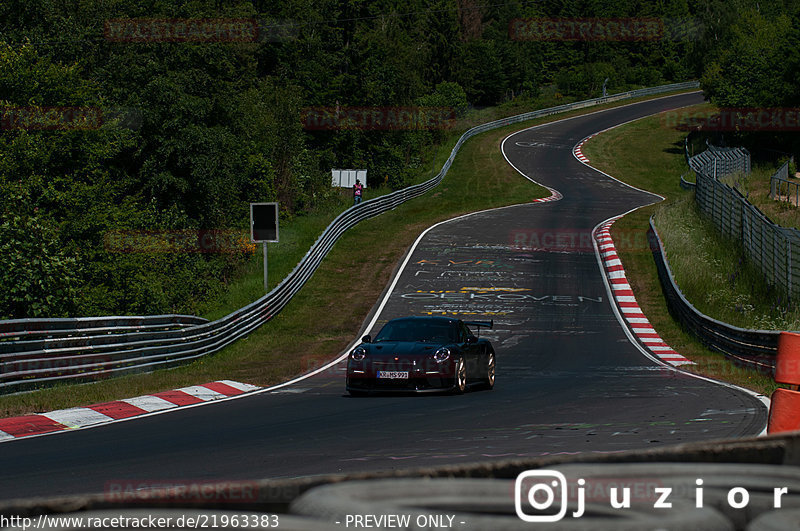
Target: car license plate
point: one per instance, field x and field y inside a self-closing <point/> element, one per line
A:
<point x="393" y="375"/>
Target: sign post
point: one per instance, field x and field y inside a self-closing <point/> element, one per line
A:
<point x="266" y="283"/>
<point x="264" y="228"/>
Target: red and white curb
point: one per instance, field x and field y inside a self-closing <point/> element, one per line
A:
<point x="578" y="149"/>
<point x="82" y="417"/>
<point x="555" y="195"/>
<point x="626" y="301"/>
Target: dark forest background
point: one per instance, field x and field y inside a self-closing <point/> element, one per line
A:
<point x="193" y="132"/>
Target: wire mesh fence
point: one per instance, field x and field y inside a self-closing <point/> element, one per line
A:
<point x="717" y="161"/>
<point x="774" y="249"/>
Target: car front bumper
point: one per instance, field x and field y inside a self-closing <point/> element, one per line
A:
<point x="422" y="384"/>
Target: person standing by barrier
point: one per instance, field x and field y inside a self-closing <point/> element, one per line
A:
<point x="358" y="192"/>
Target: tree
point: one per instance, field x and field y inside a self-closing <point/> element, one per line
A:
<point x="759" y="67"/>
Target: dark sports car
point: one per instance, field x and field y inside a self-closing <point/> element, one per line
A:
<point x="422" y="354"/>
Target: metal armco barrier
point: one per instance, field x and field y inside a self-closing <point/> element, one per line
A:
<point x="686" y="185"/>
<point x="89" y="349"/>
<point x="23" y="329"/>
<point x="751" y="348"/>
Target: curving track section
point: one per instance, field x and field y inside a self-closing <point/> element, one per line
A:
<point x="569" y="379"/>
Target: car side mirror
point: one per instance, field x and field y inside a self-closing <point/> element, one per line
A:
<point x="471" y="340"/>
<point x="367" y="339"/>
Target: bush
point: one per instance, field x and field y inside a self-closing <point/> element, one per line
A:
<point x="38" y="276"/>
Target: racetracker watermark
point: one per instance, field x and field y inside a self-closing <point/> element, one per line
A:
<point x="377" y="118"/>
<point x="33" y="118"/>
<point x="603" y="29"/>
<point x="199" y="30"/>
<point x="179" y="241"/>
<point x="123" y="520"/>
<point x="547" y="495"/>
<point x="565" y="240"/>
<point x="734" y="119"/>
<point x="144" y="30"/>
<point x="193" y="491"/>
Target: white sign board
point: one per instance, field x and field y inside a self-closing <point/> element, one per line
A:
<point x="347" y="178"/>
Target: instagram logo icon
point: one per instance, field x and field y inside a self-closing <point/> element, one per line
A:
<point x="541" y="496"/>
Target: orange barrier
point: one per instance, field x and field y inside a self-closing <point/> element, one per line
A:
<point x="784" y="409"/>
<point x="787" y="363"/>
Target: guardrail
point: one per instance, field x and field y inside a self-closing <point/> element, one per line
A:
<point x="687" y="185"/>
<point x="155" y="342"/>
<point x="20" y="329"/>
<point x="751" y="348"/>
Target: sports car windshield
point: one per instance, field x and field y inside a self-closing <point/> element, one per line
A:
<point x="418" y="331"/>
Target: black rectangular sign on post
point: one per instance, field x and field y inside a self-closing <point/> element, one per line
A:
<point x="264" y="222"/>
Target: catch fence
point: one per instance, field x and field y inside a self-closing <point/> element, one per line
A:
<point x="775" y="250"/>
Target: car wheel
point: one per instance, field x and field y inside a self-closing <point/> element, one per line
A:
<point x="460" y="380"/>
<point x="488" y="382"/>
<point x="354" y="392"/>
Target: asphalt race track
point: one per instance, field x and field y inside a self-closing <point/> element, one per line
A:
<point x="568" y="378"/>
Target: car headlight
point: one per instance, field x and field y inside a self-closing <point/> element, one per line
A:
<point x="358" y="354"/>
<point x="443" y="354"/>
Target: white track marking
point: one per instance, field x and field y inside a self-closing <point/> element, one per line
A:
<point x="149" y="403"/>
<point x="77" y="417"/>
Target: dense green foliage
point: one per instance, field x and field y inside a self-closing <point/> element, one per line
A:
<point x="753" y="62"/>
<point x="194" y="131"/>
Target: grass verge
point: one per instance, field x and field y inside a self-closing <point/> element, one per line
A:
<point x="756" y="187"/>
<point x="649" y="155"/>
<point x="341" y="293"/>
